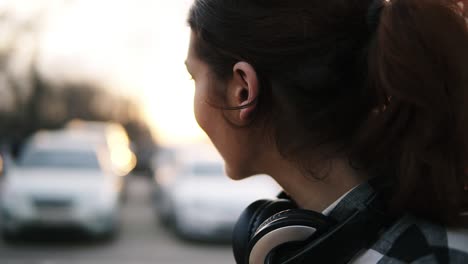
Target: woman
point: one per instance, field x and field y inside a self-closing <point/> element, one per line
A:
<point x="357" y="108"/>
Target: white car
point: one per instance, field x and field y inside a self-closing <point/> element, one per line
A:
<point x="60" y="186"/>
<point x="113" y="136"/>
<point x="79" y="138"/>
<point x="200" y="201"/>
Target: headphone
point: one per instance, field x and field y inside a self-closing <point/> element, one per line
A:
<point x="277" y="231"/>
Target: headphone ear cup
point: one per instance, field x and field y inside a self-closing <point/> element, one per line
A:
<point x="285" y="227"/>
<point x="249" y="221"/>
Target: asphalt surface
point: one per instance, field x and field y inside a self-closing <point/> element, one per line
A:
<point x="142" y="240"/>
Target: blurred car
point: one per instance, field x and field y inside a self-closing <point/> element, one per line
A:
<point x="198" y="199"/>
<point x="60" y="185"/>
<point x="111" y="135"/>
<point x="115" y="139"/>
<point x="110" y="138"/>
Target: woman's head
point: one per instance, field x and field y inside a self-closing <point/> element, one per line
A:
<point x="321" y="79"/>
<point x="237" y="146"/>
<point x="304" y="55"/>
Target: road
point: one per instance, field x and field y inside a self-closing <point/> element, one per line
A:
<point x="141" y="241"/>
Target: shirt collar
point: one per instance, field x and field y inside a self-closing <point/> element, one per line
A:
<point x="355" y="199"/>
<point x="335" y="203"/>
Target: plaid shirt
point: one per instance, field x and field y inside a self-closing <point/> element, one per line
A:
<point x="408" y="240"/>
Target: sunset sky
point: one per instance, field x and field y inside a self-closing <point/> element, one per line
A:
<point x="137" y="48"/>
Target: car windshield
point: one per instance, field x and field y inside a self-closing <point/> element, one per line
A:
<point x="60" y="159"/>
<point x="207" y="169"/>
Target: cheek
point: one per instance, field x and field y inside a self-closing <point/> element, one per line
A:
<point x="207" y="116"/>
<point x="200" y="109"/>
<point x="229" y="142"/>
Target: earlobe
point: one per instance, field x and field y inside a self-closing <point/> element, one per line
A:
<point x="247" y="90"/>
<point x="246" y="112"/>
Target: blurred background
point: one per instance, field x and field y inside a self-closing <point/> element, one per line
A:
<point x="101" y="160"/>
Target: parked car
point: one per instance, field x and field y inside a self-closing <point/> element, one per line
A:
<point x="114" y="137"/>
<point x="60" y="185"/>
<point x="113" y="146"/>
<point x="197" y="198"/>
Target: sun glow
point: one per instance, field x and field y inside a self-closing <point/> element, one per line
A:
<point x="167" y="88"/>
<point x="169" y="107"/>
<point x="138" y="50"/>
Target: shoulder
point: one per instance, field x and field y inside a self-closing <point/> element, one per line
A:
<point x="413" y="240"/>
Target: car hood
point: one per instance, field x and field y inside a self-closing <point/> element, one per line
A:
<point x="40" y="181"/>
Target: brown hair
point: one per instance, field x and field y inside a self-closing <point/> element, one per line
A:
<point x="418" y="69"/>
<point x="385" y="85"/>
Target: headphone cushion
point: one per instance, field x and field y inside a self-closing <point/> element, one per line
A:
<point x="285" y="227"/>
<point x="250" y="220"/>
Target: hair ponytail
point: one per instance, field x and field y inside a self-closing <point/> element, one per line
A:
<point x="418" y="72"/>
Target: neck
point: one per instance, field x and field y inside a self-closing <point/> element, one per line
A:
<point x="315" y="194"/>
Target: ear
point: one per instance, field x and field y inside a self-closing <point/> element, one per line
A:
<point x="244" y="90"/>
